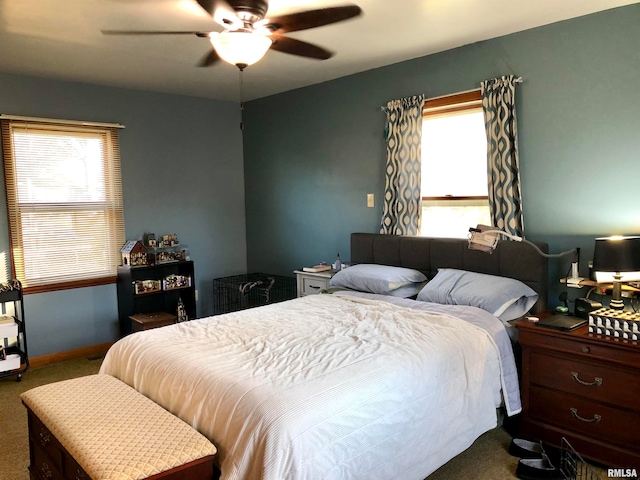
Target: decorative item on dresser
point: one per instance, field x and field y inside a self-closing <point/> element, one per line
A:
<point x="134" y="253"/>
<point x="583" y="387"/>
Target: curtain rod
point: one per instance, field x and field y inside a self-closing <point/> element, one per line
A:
<point x="4" y="116"/>
<point x="517" y="80"/>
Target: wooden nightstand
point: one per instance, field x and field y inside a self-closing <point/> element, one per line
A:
<point x="309" y="283"/>
<point x="583" y="387"/>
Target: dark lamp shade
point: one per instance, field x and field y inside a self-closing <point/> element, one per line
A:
<point x="617" y="254"/>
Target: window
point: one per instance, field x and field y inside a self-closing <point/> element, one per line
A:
<point x="454" y="166"/>
<point x="64" y="199"/>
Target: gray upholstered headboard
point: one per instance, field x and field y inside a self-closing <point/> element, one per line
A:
<point x="510" y="259"/>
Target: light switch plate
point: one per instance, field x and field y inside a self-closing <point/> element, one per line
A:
<point x="370" y="201"/>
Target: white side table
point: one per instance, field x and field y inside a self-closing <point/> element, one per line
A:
<point x="310" y="283"/>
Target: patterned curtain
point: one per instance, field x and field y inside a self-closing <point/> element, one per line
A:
<point x="402" y="200"/>
<point x="499" y="106"/>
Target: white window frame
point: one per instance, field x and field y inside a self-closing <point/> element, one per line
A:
<point x="441" y="106"/>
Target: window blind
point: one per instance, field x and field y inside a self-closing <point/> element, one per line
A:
<point x="459" y="102"/>
<point x="64" y="200"/>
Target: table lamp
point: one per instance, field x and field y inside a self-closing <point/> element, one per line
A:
<point x="617" y="255"/>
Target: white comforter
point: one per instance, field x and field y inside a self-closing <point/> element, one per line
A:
<point x="322" y="387"/>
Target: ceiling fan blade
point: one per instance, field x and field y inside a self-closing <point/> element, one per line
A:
<point x="154" y="32"/>
<point x="207" y="5"/>
<point x="297" y="47"/>
<point x="312" y="18"/>
<point x="222" y="13"/>
<point x="209" y="59"/>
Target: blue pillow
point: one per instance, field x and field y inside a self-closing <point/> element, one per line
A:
<point x="381" y="279"/>
<point x="505" y="298"/>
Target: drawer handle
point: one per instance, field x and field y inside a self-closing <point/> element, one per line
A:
<point x="586" y="349"/>
<point x="45" y="438"/>
<point x="313" y="286"/>
<point x="596" y="418"/>
<point x="597" y="382"/>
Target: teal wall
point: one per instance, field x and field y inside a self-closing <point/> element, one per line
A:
<point x="182" y="172"/>
<point x="311" y="155"/>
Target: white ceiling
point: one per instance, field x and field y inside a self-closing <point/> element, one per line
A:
<point x="62" y="39"/>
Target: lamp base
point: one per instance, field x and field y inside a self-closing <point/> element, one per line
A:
<point x="616" y="305"/>
<point x="616" y="302"/>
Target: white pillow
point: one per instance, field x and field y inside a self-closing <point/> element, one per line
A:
<point x="381" y="279"/>
<point x="505" y="298"/>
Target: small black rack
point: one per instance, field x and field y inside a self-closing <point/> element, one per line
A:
<point x="14" y="359"/>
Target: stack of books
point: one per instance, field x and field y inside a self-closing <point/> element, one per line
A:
<point x="317" y="268"/>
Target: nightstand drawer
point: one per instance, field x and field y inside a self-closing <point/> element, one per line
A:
<point x="585" y="417"/>
<point x="313" y="285"/>
<point x="582" y="346"/>
<point x="591" y="380"/>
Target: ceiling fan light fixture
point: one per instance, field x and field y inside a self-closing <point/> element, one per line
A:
<point x="240" y="47"/>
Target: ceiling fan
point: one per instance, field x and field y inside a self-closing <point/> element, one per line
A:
<point x="248" y="34"/>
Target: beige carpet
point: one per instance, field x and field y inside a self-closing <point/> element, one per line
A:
<point x="486" y="459"/>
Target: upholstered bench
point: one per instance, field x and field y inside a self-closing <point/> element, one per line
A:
<point x="98" y="428"/>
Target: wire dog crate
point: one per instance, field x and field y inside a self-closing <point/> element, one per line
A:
<point x="239" y="292"/>
<point x="572" y="466"/>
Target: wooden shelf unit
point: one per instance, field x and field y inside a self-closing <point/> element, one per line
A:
<point x="163" y="300"/>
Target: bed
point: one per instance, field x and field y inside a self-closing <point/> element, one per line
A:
<point x="348" y="385"/>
